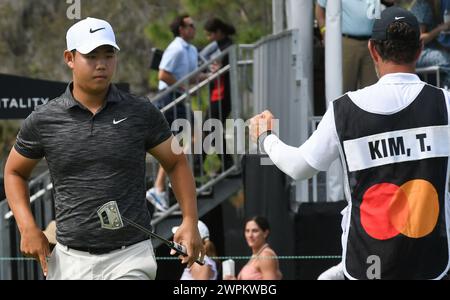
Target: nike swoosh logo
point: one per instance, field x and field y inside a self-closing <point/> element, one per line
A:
<point x="398" y="18"/>
<point x="92" y="31"/>
<point x="117" y="122"/>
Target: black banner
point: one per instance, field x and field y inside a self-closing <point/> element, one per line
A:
<point x="20" y="95"/>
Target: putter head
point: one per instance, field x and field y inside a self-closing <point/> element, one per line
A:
<point x="109" y="215"/>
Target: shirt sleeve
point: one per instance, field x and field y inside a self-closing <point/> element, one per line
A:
<point x="288" y="159"/>
<point x="322" y="148"/>
<point x="158" y="128"/>
<point x="315" y="155"/>
<point x="193" y="52"/>
<point x="170" y="60"/>
<point x="28" y="141"/>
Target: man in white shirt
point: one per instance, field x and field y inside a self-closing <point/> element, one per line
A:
<point x="179" y="59"/>
<point x="392" y="138"/>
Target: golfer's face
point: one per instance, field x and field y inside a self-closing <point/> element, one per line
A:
<point x="254" y="235"/>
<point x="95" y="69"/>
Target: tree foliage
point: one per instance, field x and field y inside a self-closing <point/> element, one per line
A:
<point x="32" y="32"/>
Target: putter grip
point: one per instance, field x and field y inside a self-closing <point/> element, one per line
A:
<point x="179" y="248"/>
<point x="182" y="250"/>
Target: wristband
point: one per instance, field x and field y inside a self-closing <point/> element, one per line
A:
<point x="261" y="139"/>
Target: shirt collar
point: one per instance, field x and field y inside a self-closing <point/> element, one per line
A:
<point x="70" y="102"/>
<point x="400" y="78"/>
<point x="182" y="42"/>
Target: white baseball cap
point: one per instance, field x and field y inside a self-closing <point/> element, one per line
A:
<point x="202" y="229"/>
<point x="88" y="34"/>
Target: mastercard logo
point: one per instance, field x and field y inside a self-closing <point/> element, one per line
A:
<point x="388" y="210"/>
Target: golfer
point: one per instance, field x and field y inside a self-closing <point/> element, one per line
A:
<point x="95" y="138"/>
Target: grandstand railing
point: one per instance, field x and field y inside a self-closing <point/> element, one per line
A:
<point x="194" y="94"/>
<point x="12" y="264"/>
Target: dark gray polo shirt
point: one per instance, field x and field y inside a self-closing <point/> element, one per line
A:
<point x="94" y="159"/>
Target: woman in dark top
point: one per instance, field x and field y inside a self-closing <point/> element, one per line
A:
<point x="219" y="32"/>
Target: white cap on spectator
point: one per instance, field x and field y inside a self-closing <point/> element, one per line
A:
<point x="88" y="34"/>
<point x="202" y="229"/>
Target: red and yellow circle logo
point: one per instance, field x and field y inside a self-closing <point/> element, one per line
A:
<point x="388" y="210"/>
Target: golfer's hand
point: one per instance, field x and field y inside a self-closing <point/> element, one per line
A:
<point x="260" y="124"/>
<point x="33" y="243"/>
<point x="188" y="236"/>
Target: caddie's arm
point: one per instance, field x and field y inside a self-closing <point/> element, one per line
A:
<point x="287" y="158"/>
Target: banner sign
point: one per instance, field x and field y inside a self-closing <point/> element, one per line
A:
<point x="19" y="96"/>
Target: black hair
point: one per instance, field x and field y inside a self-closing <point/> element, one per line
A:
<point x="262" y="222"/>
<point x="387" y="3"/>
<point x="402" y="44"/>
<point x="177" y="23"/>
<point x="216" y="24"/>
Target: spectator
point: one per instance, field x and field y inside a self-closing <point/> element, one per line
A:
<point x="209" y="270"/>
<point x="179" y="59"/>
<point x="219" y="33"/>
<point x="357" y="66"/>
<point x="263" y="265"/>
<point x="434" y="34"/>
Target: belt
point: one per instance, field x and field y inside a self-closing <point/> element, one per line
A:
<point x="357" y="37"/>
<point x="98" y="251"/>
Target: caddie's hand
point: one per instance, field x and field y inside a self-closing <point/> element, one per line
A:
<point x="260" y="124"/>
<point x="34" y="244"/>
<point x="188" y="236"/>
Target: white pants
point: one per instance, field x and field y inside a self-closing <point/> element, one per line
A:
<point x="134" y="262"/>
<point x="333" y="273"/>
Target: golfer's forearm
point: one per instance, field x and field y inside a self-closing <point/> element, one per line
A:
<point x="288" y="159"/>
<point x="18" y="197"/>
<point x="184" y="188"/>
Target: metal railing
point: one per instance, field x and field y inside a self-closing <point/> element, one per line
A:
<point x="193" y="93"/>
<point x="42" y="206"/>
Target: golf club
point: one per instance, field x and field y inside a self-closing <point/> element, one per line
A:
<point x="111" y="219"/>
